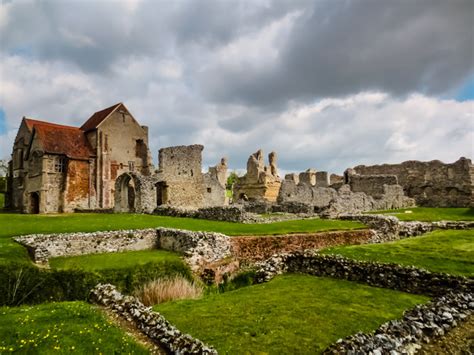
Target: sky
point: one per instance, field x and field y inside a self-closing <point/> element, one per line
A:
<point x="327" y="84"/>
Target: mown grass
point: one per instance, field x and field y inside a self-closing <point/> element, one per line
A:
<point x="429" y="214"/>
<point x="64" y="327"/>
<point x="292" y="314"/>
<point x="448" y="251"/>
<point x="20" y="224"/>
<point x="124" y="260"/>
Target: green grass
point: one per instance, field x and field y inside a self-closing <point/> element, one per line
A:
<point x="429" y="214"/>
<point x="291" y="314"/>
<point x="122" y="260"/>
<point x="20" y="224"/>
<point x="448" y="251"/>
<point x="65" y="327"/>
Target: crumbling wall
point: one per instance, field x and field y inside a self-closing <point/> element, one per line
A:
<point x="372" y="185"/>
<point x="181" y="182"/>
<point x="180" y="171"/>
<point x="433" y="183"/>
<point x="260" y="182"/>
<point x="135" y="193"/>
<point x="332" y="202"/>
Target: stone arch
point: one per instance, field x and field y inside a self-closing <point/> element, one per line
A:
<point x="134" y="193"/>
<point x="127" y="193"/>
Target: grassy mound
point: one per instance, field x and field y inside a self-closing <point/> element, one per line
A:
<point x="288" y="315"/>
<point x="449" y="251"/>
<point x="63" y="328"/>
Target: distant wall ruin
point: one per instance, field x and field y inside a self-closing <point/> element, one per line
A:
<point x="433" y="183"/>
<point x="260" y="183"/>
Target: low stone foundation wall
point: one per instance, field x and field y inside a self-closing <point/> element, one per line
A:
<point x="150" y="323"/>
<point x="393" y="276"/>
<point x="255" y="248"/>
<point x="41" y="247"/>
<point x="199" y="248"/>
<point x="454" y="300"/>
<point x="389" y="228"/>
<point x="418" y="326"/>
<point x="220" y="213"/>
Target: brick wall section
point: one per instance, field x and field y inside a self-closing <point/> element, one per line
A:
<point x="255" y="248"/>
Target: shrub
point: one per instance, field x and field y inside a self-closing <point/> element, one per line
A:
<point x="168" y="289"/>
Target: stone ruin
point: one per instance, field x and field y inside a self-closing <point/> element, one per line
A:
<point x="354" y="194"/>
<point x="261" y="182"/>
<point x="432" y="183"/>
<point x="178" y="182"/>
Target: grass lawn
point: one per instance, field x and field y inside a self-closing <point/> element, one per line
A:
<point x="429" y="214"/>
<point x="449" y="251"/>
<point x="290" y="314"/>
<point x="62" y="328"/>
<point x="20" y="224"/>
<point x="123" y="260"/>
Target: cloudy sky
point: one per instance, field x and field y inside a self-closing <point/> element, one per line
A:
<point x="327" y="84"/>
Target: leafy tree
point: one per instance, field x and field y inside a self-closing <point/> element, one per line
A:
<point x="231" y="179"/>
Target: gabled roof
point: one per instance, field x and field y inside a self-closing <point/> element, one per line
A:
<point x="60" y="139"/>
<point x="97" y="118"/>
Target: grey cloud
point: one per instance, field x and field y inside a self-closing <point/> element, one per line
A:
<point x="351" y="46"/>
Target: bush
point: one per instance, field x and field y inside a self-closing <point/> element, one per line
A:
<point x="28" y="284"/>
<point x="168" y="289"/>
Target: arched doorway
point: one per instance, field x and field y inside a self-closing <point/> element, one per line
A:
<point x="125" y="193"/>
<point x="34" y="202"/>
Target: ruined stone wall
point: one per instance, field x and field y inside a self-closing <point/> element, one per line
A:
<point x="180" y="172"/>
<point x="432" y="183"/>
<point x="42" y="247"/>
<point x="135" y="193"/>
<point x="332" y="202"/>
<point x="372" y="185"/>
<point x="260" y="182"/>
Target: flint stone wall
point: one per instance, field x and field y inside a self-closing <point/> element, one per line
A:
<point x="234" y="213"/>
<point x="393" y="276"/>
<point x="41" y="247"/>
<point x="389" y="228"/>
<point x="419" y="325"/>
<point x="150" y="323"/>
<point x="199" y="248"/>
<point x="433" y="183"/>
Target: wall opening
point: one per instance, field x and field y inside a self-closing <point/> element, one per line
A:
<point x="161" y="193"/>
<point x="34" y="202"/>
<point x="126" y="193"/>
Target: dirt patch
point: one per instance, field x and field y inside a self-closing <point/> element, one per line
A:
<point x="257" y="248"/>
<point x="459" y="340"/>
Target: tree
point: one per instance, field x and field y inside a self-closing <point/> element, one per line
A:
<point x="231" y="179"/>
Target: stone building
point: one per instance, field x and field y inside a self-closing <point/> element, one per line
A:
<point x="433" y="183"/>
<point x="58" y="168"/>
<point x="260" y="183"/>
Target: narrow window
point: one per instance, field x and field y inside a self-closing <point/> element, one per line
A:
<point x="60" y="165"/>
<point x="20" y="158"/>
<point x="209" y="190"/>
<point x="131" y="166"/>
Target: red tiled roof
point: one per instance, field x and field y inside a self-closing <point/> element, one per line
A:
<point x="60" y="139"/>
<point x="98" y="117"/>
